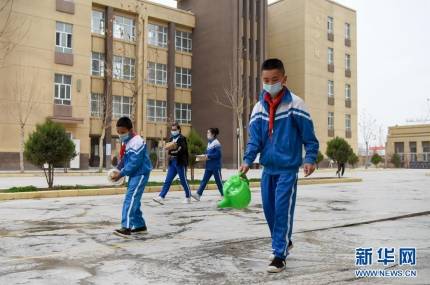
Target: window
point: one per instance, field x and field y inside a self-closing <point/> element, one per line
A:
<point x="63" y="38"/>
<point x="124" y="28"/>
<point x="347" y="92"/>
<point x="63" y="89"/>
<point x="183" y="113"/>
<point x="347" y="62"/>
<point x="330" y="25"/>
<point x="121" y="106"/>
<point x="347" y="31"/>
<point x="426" y="150"/>
<point x="183" y="41"/>
<point x="330" y="120"/>
<point x="157" y="73"/>
<point x="123" y="68"/>
<point x="157" y="35"/>
<point x="97" y="64"/>
<point x="348" y="122"/>
<point x="330" y="57"/>
<point x="183" y="77"/>
<point x="330" y="88"/>
<point x="96" y="104"/>
<point x="98" y="22"/>
<point x="156" y="111"/>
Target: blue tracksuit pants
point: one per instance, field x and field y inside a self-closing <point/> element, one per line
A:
<point x="208" y="174"/>
<point x="131" y="214"/>
<point x="175" y="168"/>
<point x="278" y="193"/>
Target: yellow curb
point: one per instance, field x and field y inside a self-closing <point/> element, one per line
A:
<point x="149" y="189"/>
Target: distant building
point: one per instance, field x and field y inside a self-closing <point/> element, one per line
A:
<point x="411" y="143"/>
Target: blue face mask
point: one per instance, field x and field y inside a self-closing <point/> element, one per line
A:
<point x="123" y="137"/>
<point x="174" y="133"/>
<point x="273" y="89"/>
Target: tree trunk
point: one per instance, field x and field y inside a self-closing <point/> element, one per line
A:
<point x="101" y="151"/>
<point x="21" y="150"/>
<point x="241" y="143"/>
<point x="192" y="173"/>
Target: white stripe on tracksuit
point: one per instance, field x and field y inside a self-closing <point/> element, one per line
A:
<point x="132" y="201"/>
<point x="289" y="214"/>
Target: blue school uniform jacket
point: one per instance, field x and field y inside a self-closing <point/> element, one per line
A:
<point x="214" y="154"/>
<point x="136" y="159"/>
<point x="293" y="129"/>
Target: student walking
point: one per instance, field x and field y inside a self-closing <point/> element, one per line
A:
<point x="280" y="125"/>
<point x="134" y="163"/>
<point x="213" y="163"/>
<point x="178" y="161"/>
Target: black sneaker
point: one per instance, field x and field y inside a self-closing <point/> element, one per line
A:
<point x="123" y="232"/>
<point x="277" y="265"/>
<point x="139" y="230"/>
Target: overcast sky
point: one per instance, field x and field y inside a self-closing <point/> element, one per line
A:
<point x="393" y="58"/>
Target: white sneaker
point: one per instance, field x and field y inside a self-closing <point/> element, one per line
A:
<point x="196" y="196"/>
<point x="187" y="201"/>
<point x="158" y="199"/>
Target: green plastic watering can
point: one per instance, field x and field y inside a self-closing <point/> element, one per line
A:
<point x="236" y="193"/>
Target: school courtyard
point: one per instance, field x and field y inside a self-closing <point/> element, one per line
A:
<point x="70" y="241"/>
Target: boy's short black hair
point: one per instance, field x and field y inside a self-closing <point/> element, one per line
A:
<point x="214" y="131"/>
<point x="124" y="122"/>
<point x="176" y="124"/>
<point x="273" y="63"/>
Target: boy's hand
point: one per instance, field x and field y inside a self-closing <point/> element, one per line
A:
<point x="244" y="168"/>
<point x="116" y="176"/>
<point x="308" y="169"/>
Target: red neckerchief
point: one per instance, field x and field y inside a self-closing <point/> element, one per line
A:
<point x="273" y="105"/>
<point x="123" y="145"/>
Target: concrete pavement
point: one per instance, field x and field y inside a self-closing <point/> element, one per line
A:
<point x="69" y="240"/>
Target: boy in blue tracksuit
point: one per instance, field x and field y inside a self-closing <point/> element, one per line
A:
<point x="135" y="164"/>
<point x="279" y="126"/>
<point x="213" y="163"/>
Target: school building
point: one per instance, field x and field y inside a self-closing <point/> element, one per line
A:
<point x="411" y="143"/>
<point x="317" y="41"/>
<point x="84" y="63"/>
<point x="72" y="56"/>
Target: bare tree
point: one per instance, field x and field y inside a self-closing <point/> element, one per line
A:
<point x="12" y="29"/>
<point x="231" y="98"/>
<point x="367" y="129"/>
<point x="105" y="110"/>
<point x="24" y="88"/>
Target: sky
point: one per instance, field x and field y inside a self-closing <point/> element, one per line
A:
<point x="393" y="49"/>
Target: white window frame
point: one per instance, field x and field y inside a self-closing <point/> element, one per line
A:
<point x="98" y="22"/>
<point x="330" y="55"/>
<point x="330" y="88"/>
<point x="183" y="41"/>
<point x="183" y="107"/>
<point x="63" y="37"/>
<point x="96" y="105"/>
<point x="330" y="25"/>
<point x="347" y="91"/>
<point x="120" y="105"/>
<point x="62" y="89"/>
<point x="158" y="108"/>
<point x="157" y="73"/>
<point x="347" y="31"/>
<point x="183" y="77"/>
<point x="98" y="59"/>
<point x="330" y="121"/>
<point x="348" y="122"/>
<point x="347" y="61"/>
<point x="124" y="28"/>
<point x="121" y="65"/>
<point x="157" y="35"/>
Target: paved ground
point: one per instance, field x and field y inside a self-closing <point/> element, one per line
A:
<point x="69" y="240"/>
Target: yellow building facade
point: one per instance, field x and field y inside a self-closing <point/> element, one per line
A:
<point x="316" y="40"/>
<point x="73" y="56"/>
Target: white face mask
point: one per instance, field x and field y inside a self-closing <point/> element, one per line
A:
<point x="174" y="133"/>
<point x="210" y="137"/>
<point x="123" y="137"/>
<point x="273" y="89"/>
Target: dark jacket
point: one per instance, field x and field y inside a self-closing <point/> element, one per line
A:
<point x="181" y="152"/>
